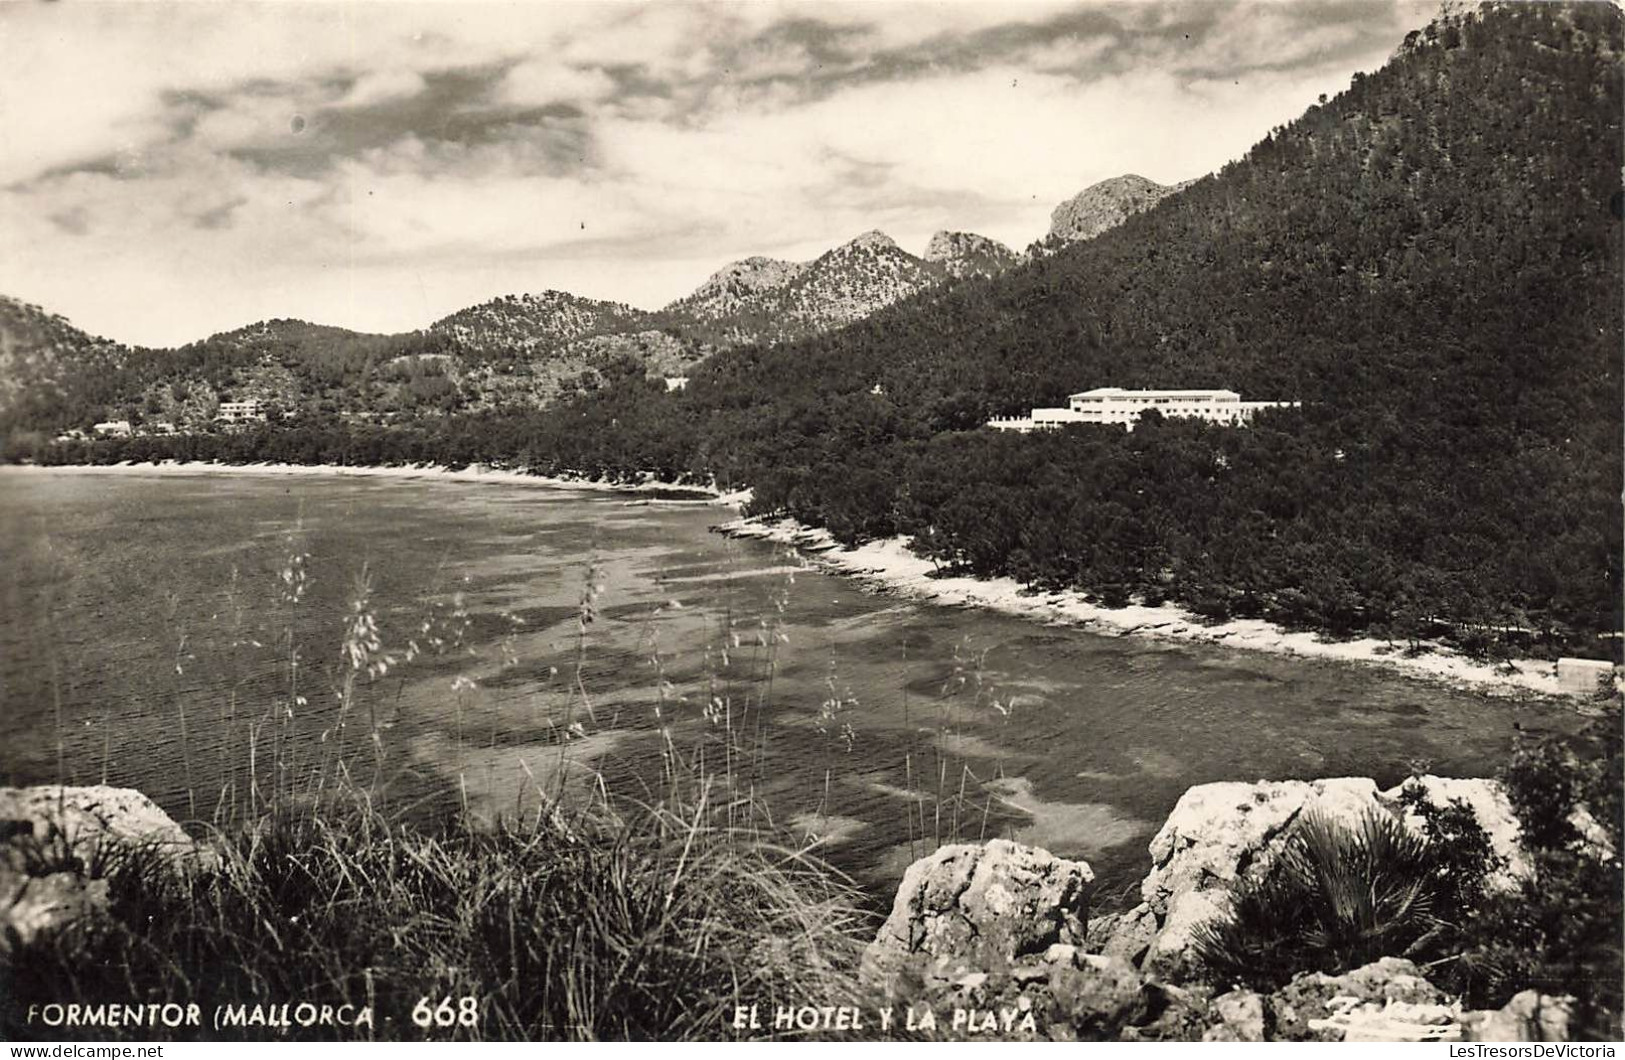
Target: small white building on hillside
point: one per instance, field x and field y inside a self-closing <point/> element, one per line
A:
<point x="1110" y="404"/>
<point x="1039" y="420"/>
<point x="1582" y="675"/>
<point x="241" y="411"/>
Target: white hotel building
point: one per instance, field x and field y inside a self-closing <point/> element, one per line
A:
<point x="1110" y="404"/>
<point x="248" y="411"/>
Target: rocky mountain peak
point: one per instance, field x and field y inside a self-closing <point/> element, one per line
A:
<point x="736" y="286"/>
<point x="765" y="299"/>
<point x="966" y="253"/>
<point x="754" y="273"/>
<point x="1106" y="205"/>
<point x="531" y="321"/>
<point x="873" y="239"/>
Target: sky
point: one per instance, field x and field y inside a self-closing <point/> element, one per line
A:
<point x="169" y="170"/>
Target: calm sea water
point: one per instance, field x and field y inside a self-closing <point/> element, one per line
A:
<point x="154" y="633"/>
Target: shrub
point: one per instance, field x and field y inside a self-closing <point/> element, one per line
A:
<point x="1210" y="603"/>
<point x="1460" y="853"/>
<point x="1561" y="929"/>
<point x="1340" y="896"/>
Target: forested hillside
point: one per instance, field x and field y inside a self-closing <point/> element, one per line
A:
<point x="1430" y="262"/>
<point x="518" y="324"/>
<point x="515" y="353"/>
<point x="47" y="364"/>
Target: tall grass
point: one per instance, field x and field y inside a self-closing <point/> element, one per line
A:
<point x="581" y="912"/>
<point x="652" y="926"/>
<point x="647" y="914"/>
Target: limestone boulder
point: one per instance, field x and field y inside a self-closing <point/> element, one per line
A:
<point x="58" y="844"/>
<point x="1179" y="1014"/>
<point x="1386" y="1000"/>
<point x="1094" y="996"/>
<point x="32" y="906"/>
<point x="1529" y="1017"/>
<point x="1001" y="927"/>
<point x="1128" y="934"/>
<point x="1594" y="838"/>
<point x="1489" y="802"/>
<point x="1170" y="954"/>
<point x="88" y="822"/>
<point x="1226" y="834"/>
<point x="1238" y="1016"/>
<point x="982" y="906"/>
<point x="1219" y="834"/>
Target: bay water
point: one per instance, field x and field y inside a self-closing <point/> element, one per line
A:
<point x="209" y="638"/>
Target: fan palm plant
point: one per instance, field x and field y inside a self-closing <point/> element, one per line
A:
<point x="1340" y="895"/>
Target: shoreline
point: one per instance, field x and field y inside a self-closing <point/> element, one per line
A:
<point x="479" y="473"/>
<point x="889" y="566"/>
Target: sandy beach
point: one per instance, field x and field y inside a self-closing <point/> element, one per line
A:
<point x="420" y="472"/>
<point x="891" y="566"/>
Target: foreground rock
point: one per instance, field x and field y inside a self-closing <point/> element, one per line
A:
<point x="1387" y="1001"/>
<point x="999" y="928"/>
<point x="997" y="934"/>
<point x="1529" y="1017"/>
<point x="1225" y="834"/>
<point x="982" y="903"/>
<point x="57" y="844"/>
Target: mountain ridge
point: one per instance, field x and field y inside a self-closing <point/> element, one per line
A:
<point x="543" y="344"/>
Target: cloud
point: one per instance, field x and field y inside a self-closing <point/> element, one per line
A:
<point x="537" y="82"/>
<point x="382" y="86"/>
<point x="370" y="162"/>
